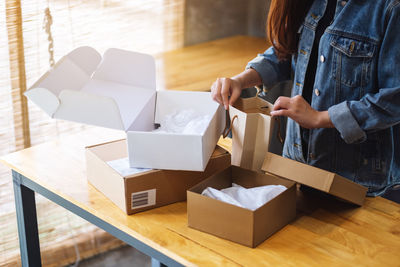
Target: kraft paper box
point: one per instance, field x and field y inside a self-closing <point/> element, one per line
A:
<point x="118" y="91"/>
<point x="252" y="128"/>
<point x="240" y="225"/>
<point x="322" y="180"/>
<point x="137" y="190"/>
<point x="251" y="228"/>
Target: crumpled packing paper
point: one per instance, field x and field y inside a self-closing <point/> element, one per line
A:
<point x="123" y="168"/>
<point x="248" y="198"/>
<point x="185" y="121"/>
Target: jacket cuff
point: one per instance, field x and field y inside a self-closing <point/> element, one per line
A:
<point x="346" y="124"/>
<point x="264" y="69"/>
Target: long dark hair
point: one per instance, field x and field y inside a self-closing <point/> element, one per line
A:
<point x="284" y="19"/>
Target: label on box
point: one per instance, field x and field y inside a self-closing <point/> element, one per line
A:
<point x="143" y="199"/>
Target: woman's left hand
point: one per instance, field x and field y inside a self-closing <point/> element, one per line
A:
<point x="298" y="109"/>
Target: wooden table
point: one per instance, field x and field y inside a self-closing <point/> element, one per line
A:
<point x="325" y="232"/>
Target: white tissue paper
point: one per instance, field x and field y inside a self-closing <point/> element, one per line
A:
<point x="184" y="121"/>
<point x="122" y="167"/>
<point x="248" y="198"/>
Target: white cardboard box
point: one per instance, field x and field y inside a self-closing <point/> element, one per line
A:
<point x="118" y="91"/>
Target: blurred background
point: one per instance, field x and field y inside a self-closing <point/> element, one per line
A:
<point x="34" y="35"/>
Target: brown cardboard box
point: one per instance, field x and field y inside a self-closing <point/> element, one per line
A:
<point x="146" y="189"/>
<point x="248" y="227"/>
<point x="322" y="180"/>
<point x="237" y="224"/>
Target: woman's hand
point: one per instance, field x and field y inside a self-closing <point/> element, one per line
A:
<point x="298" y="109"/>
<point x="226" y="91"/>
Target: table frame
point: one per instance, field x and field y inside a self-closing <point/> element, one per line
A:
<point x="24" y="193"/>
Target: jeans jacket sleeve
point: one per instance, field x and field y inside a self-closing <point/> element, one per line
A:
<point x="373" y="112"/>
<point x="270" y="69"/>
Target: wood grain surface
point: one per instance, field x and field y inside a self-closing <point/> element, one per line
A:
<point x="325" y="232"/>
<point x="195" y="68"/>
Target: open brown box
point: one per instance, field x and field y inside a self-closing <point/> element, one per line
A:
<point x="237" y="224"/>
<point x="251" y="228"/>
<point x="148" y="189"/>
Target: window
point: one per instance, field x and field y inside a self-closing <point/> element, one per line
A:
<point x="50" y="29"/>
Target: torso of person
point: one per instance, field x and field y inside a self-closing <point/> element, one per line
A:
<point x="344" y="59"/>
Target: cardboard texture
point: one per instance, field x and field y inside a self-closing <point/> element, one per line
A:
<point x="118" y="91"/>
<point x="148" y="189"/>
<point x="240" y="225"/>
<point x="322" y="180"/>
<point x="251" y="131"/>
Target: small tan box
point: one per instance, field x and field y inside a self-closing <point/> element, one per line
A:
<point x="251" y="228"/>
<point x="237" y="224"/>
<point x="322" y="180"/>
<point x="146" y="189"/>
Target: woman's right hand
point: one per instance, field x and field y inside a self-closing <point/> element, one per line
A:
<point x="226" y="91"/>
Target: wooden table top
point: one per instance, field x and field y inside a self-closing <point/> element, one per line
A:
<point x="325" y="231"/>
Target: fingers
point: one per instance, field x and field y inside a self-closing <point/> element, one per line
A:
<point x="234" y="96"/>
<point x="281" y="112"/>
<point x="282" y="107"/>
<point x="299" y="110"/>
<point x="216" y="91"/>
<point x="221" y="90"/>
<point x="225" y="92"/>
<point x="281" y="103"/>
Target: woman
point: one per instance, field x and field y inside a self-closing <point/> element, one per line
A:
<point x="344" y="112"/>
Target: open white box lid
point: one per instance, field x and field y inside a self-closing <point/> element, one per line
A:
<point x="109" y="91"/>
<point x="314" y="177"/>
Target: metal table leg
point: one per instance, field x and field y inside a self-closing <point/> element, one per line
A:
<point x="156" y="263"/>
<point x="28" y="231"/>
<point x="27" y="223"/>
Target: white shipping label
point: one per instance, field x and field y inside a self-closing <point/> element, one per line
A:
<point x="143" y="199"/>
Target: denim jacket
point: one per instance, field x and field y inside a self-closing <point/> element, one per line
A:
<point x="357" y="81"/>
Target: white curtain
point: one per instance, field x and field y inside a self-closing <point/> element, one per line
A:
<point x="50" y="29"/>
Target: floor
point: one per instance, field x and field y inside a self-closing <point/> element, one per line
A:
<point x="122" y="257"/>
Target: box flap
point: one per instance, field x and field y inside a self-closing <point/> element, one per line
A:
<point x="45" y="99"/>
<point x="299" y="172"/>
<point x="109" y="92"/>
<point x="89" y="108"/>
<point x="314" y="177"/>
<point x="79" y="64"/>
<point x="127" y="67"/>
